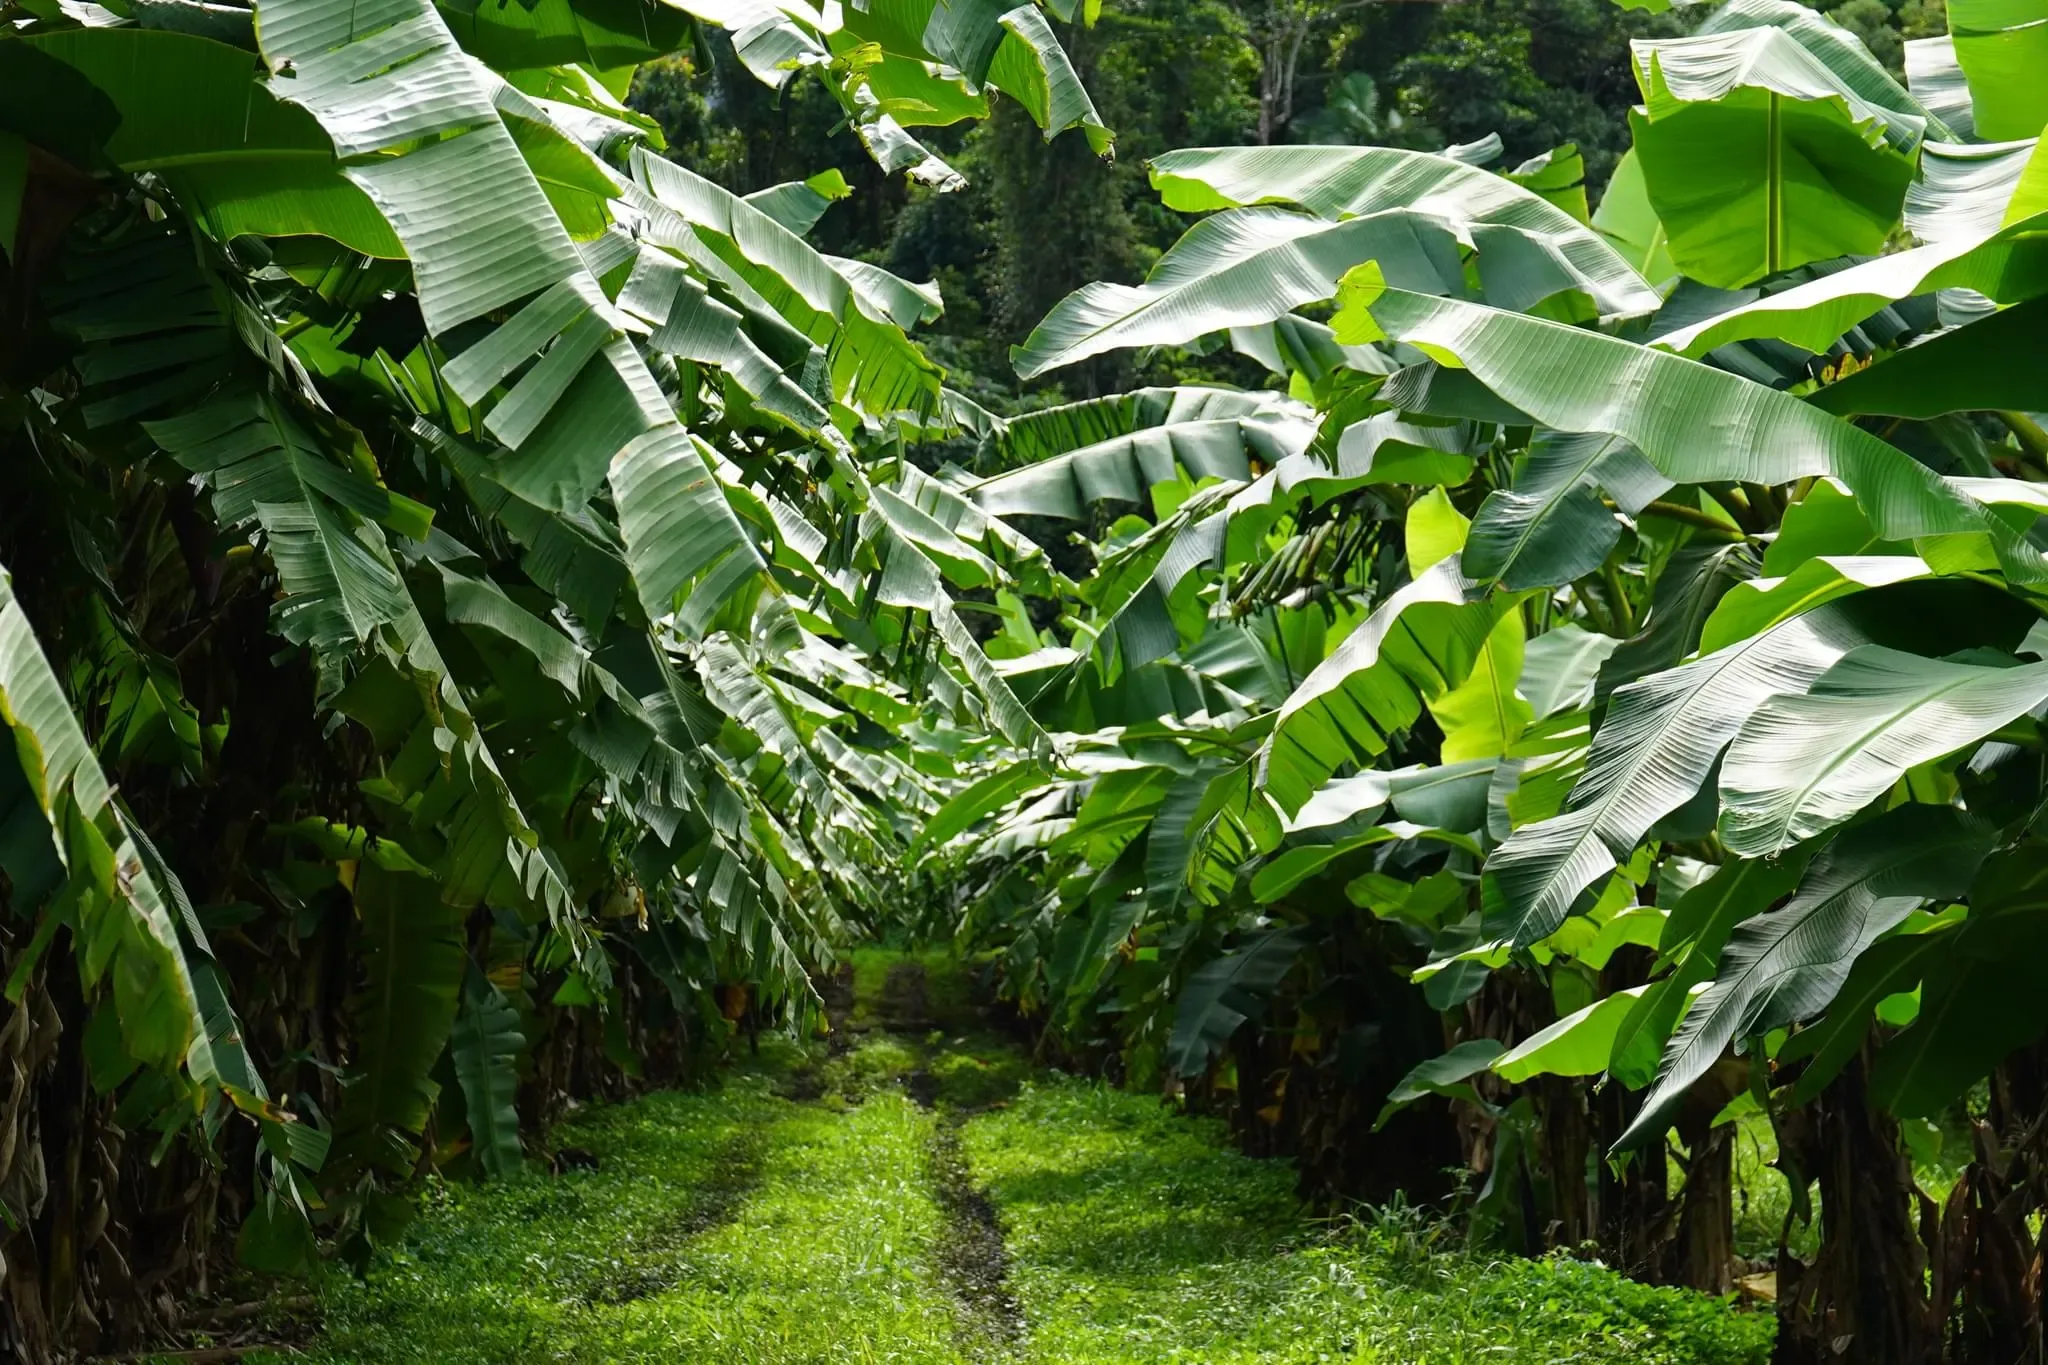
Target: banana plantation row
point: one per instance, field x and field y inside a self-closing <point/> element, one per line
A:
<point x="489" y="608"/>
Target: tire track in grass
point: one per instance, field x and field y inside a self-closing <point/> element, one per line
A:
<point x="972" y="1256"/>
<point x="970" y="1252"/>
<point x="657" y="1262"/>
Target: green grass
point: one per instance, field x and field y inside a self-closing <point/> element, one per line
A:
<point x="978" y="1073"/>
<point x="1135" y="1235"/>
<point x="944" y="983"/>
<point x="823" y="1256"/>
<point x="747" y="1227"/>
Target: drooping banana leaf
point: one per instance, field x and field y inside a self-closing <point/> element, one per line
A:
<point x="857" y="312"/>
<point x="1692" y="422"/>
<point x="1552" y="526"/>
<point x="413" y="969"/>
<point x="1222" y="994"/>
<point x="1936" y="79"/>
<point x="1034" y="437"/>
<point x="161" y="332"/>
<point x="1576" y="1045"/>
<point x="2008" y="266"/>
<point x="1835" y="48"/>
<point x="194" y="112"/>
<point x="1694" y="935"/>
<point x="691" y="324"/>
<point x="1208" y="433"/>
<point x="1241" y="268"/>
<point x="1757" y="604"/>
<point x="482" y="240"/>
<point x="1806" y="761"/>
<point x="1758" y="157"/>
<point x="1628" y="222"/>
<point x="1352" y="182"/>
<point x="485" y="1046"/>
<point x="601" y="34"/>
<point x="1975" y="1004"/>
<point x="910" y="579"/>
<point x="118" y="911"/>
<point x="1008" y="46"/>
<point x="1420" y="643"/>
<point x="1986" y="365"/>
<point x="1966" y="190"/>
<point x="1786" y="966"/>
<point x="1656" y="747"/>
<point x="1448" y="1074"/>
<point x="265" y="470"/>
<point x="2002" y="46"/>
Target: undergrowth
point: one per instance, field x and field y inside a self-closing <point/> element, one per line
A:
<point x="1135" y="1235"/>
<point x="747" y="1226"/>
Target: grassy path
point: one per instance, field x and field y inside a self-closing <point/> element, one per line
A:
<point x="925" y="1199"/>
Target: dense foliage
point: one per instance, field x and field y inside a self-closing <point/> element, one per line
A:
<point x="1601" y="691"/>
<point x="469" y="599"/>
<point x="495" y="606"/>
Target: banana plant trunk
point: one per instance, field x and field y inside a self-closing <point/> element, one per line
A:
<point x="1864" y="1296"/>
<point x="1986" y="1282"/>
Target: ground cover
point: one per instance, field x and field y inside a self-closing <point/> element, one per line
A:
<point x="921" y="1195"/>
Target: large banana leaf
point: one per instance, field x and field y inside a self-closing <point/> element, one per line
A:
<point x="1695" y="423"/>
<point x="484" y="1046"/>
<point x="857" y="311"/>
<point x="1008" y="46"/>
<point x="120" y="914"/>
<point x="1222" y="994"/>
<point x="1552" y="526"/>
<point x="265" y="470"/>
<point x="161" y="330"/>
<point x="1966" y="189"/>
<point x="1352" y="182"/>
<point x="1656" y="747"/>
<point x="1758" y="157"/>
<point x="1034" y="437"/>
<point x="1628" y="223"/>
<point x="667" y="493"/>
<point x="1420" y="643"/>
<point x="690" y="324"/>
<point x="1936" y="79"/>
<point x="1159" y="435"/>
<point x="1986" y="365"/>
<point x="2009" y="265"/>
<point x="601" y="34"/>
<point x="413" y="969"/>
<point x="194" y="113"/>
<point x="1979" y="996"/>
<point x="1835" y="48"/>
<point x="1804" y="763"/>
<point x="1242" y="268"/>
<point x="1576" y="1045"/>
<point x="1694" y="935"/>
<point x="1785" y="967"/>
<point x="1760" y="603"/>
<point x="2002" y="47"/>
<point x="911" y="580"/>
<point x="423" y="137"/>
